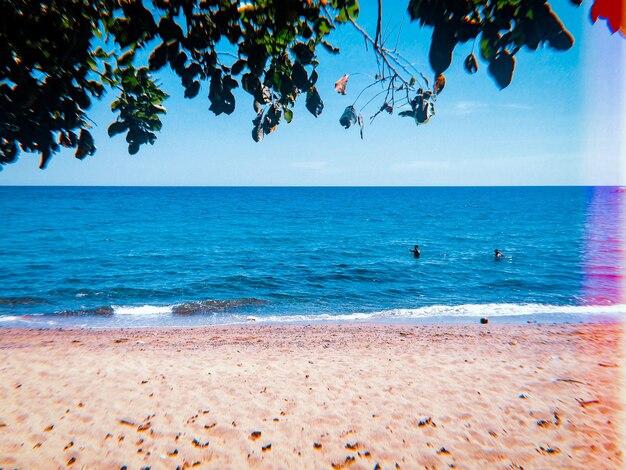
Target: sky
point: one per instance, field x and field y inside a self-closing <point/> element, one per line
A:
<point x="562" y="121"/>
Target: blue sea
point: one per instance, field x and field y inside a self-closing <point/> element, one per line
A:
<point x="141" y="256"/>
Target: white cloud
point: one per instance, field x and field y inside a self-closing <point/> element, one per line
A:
<point x="463" y="108"/>
<point x="524" y="107"/>
<point x="468" y="107"/>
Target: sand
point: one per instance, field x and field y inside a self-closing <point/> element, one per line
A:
<point x="358" y="396"/>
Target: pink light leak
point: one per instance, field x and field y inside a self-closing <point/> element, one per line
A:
<point x="604" y="280"/>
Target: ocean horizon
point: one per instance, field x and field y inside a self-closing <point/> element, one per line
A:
<point x="130" y="256"/>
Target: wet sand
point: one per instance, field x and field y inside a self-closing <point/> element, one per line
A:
<point x="330" y="396"/>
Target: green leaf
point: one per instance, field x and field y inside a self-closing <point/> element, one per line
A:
<point x="501" y="69"/>
<point x="158" y="58"/>
<point x="561" y="41"/>
<point x="467" y="29"/>
<point x="192" y="90"/>
<point x="470" y="64"/>
<point x="330" y="48"/>
<point x="441" y="48"/>
<point x="304" y="54"/>
<point x="323" y="27"/>
<point x="117" y="128"/>
<point x="349" y="117"/>
<point x="300" y="77"/>
<point x="85" y="145"/>
<point x="288" y="115"/>
<point x="487" y="49"/>
<point x="285" y="36"/>
<point x="238" y="66"/>
<point x="314" y="102"/>
<point x="169" y="30"/>
<point x="100" y="53"/>
<point x="352" y="8"/>
<point x="126" y="58"/>
<point x="220" y="94"/>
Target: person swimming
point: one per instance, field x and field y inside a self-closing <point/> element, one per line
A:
<point x="415" y="251"/>
<point x="498" y="254"/>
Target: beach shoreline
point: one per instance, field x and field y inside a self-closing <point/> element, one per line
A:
<point x="300" y="396"/>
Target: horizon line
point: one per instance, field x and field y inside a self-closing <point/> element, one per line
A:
<point x="310" y="186"/>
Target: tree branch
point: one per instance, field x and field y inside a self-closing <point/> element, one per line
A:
<point x="379" y="24"/>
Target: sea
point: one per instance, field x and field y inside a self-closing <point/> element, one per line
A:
<point x="100" y="257"/>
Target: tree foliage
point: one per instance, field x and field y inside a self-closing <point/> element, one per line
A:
<point x="504" y="27"/>
<point x="57" y="56"/>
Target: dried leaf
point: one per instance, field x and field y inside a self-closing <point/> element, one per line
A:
<point x="612" y="11"/>
<point x="272" y="119"/>
<point x="440" y="83"/>
<point x="257" y="133"/>
<point x="360" y="121"/>
<point x="341" y="84"/>
<point x="257" y="130"/>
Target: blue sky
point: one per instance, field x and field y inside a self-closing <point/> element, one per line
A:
<point x="561" y="122"/>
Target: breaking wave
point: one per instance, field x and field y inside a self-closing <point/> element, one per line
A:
<point x="450" y="311"/>
<point x="184" y="308"/>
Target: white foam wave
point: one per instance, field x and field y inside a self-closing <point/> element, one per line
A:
<point x="141" y="310"/>
<point x="466" y="310"/>
<point x="9" y="318"/>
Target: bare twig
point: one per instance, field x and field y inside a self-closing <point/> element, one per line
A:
<point x="380" y="51"/>
<point x="230" y="54"/>
<point x="372" y="99"/>
<point x="367" y="87"/>
<point x="397" y="57"/>
<point x="388" y="34"/>
<point x="398" y="38"/>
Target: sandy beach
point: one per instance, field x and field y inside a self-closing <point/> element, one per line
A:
<point x="326" y="396"/>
